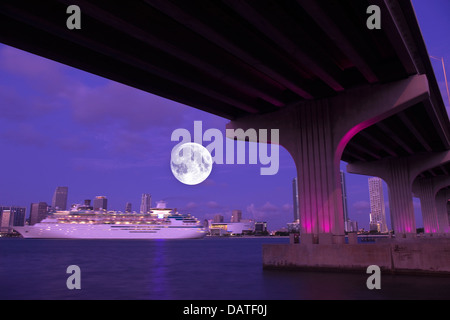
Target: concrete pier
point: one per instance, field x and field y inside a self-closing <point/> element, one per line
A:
<point x="427" y="256"/>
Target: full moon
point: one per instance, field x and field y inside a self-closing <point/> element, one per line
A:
<point x="191" y="163"/>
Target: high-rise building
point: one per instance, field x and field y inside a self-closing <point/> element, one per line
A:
<point x="295" y="196"/>
<point x="344" y="202"/>
<point x="18" y="216"/>
<point x="100" y="203"/>
<point x="38" y="212"/>
<point x="236" y="216"/>
<point x="128" y="207"/>
<point x="6" y="221"/>
<point x="146" y="203"/>
<point x="377" y="209"/>
<point x="11" y="216"/>
<point x="59" y="201"/>
<point x="218" y="218"/>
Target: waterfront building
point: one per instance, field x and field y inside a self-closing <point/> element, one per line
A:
<point x="232" y="228"/>
<point x="293" y="227"/>
<point x="146" y="203"/>
<point x="6" y="221"/>
<point x="100" y="203"/>
<point x="351" y="226"/>
<point x="38" y="212"/>
<point x="59" y="200"/>
<point x="128" y="207"/>
<point x="11" y="216"/>
<point x="260" y="228"/>
<point x="218" y="218"/>
<point x="18" y="216"/>
<point x="236" y="216"/>
<point x="377" y="208"/>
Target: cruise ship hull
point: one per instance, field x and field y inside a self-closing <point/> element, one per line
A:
<point x="106" y="231"/>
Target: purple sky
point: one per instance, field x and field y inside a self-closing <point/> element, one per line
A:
<point x="60" y="126"/>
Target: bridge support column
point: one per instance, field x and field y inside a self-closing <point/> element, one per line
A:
<point x="448" y="214"/>
<point x="441" y="210"/>
<point x="400" y="199"/>
<point x="428" y="206"/>
<point x="306" y="133"/>
<point x="316" y="132"/>
<point x="397" y="175"/>
<point x="320" y="194"/>
<point x="433" y="201"/>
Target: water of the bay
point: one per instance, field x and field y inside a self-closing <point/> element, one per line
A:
<point x="211" y="268"/>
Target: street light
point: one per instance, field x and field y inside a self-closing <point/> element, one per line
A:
<point x="445" y="76"/>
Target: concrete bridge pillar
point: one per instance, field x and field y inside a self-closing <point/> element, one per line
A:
<point x="306" y="132"/>
<point x="433" y="201"/>
<point x="441" y="209"/>
<point x="316" y="132"/>
<point x="320" y="196"/>
<point x="396" y="173"/>
<point x="400" y="198"/>
<point x="428" y="205"/>
<point x="448" y="213"/>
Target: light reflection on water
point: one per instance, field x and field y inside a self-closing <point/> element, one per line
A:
<point x="211" y="268"/>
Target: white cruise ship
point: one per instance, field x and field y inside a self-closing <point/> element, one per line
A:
<point x="160" y="223"/>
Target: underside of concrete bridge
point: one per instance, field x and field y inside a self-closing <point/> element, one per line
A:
<point x="335" y="89"/>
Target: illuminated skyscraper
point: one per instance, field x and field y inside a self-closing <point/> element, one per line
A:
<point x="59" y="201"/>
<point x="377" y="209"/>
<point x="295" y="196"/>
<point x="100" y="203"/>
<point x="146" y="203"/>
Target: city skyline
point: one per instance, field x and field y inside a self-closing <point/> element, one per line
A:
<point x="100" y="137"/>
<point x="39" y="210"/>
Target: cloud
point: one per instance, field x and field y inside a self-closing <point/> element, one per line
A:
<point x="102" y="121"/>
<point x="41" y="75"/>
<point x="268" y="210"/>
<point x="115" y="103"/>
<point x="107" y="164"/>
<point x="361" y="205"/>
<point x="73" y="143"/>
<point x="24" y="134"/>
<point x="37" y="85"/>
<point x="212" y="204"/>
<point x="16" y="106"/>
<point x="191" y="205"/>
